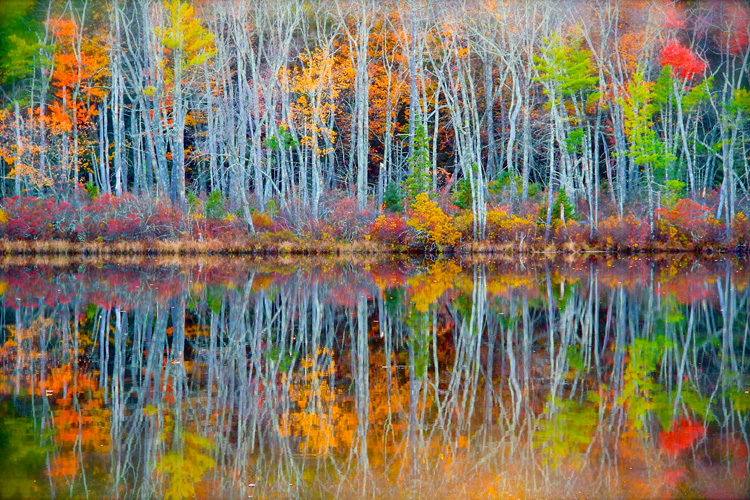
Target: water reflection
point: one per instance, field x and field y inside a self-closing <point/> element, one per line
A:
<point x="349" y="378"/>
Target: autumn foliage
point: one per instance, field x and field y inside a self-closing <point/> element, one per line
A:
<point x="432" y="227"/>
<point x="273" y="121"/>
<point x="389" y="228"/>
<point x="504" y="226"/>
<point x="689" y="223"/>
<point x="682" y="436"/>
<point x="683" y="61"/>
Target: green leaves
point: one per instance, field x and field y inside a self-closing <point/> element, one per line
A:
<point x="18" y="40"/>
<point x="420" y="164"/>
<point x="741" y="101"/>
<point x="567" y="67"/>
<point x="568" y="430"/>
<point x="696" y="95"/>
<point x="22" y="459"/>
<point x="645" y="145"/>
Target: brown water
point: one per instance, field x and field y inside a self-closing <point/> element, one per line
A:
<point x="315" y="378"/>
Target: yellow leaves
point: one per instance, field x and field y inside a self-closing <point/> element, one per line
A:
<point x="187" y="468"/>
<point x="3" y="218"/>
<point x="432" y="225"/>
<point x="317" y="87"/>
<point x="184" y="37"/>
<point x="427" y="288"/>
<point x="503" y="284"/>
<point x="503" y="226"/>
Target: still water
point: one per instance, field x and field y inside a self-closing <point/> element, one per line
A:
<point x="356" y="378"/>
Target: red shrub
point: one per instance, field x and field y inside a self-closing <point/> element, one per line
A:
<point x="688" y="222"/>
<point x="32" y="218"/>
<point x="682" y="436"/>
<point x="572" y="231"/>
<point x="390" y="229"/>
<point x="347" y="220"/>
<point x="128" y="228"/>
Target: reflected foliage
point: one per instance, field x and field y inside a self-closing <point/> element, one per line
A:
<point x="359" y="378"/>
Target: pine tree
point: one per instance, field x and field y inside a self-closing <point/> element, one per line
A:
<point x="419" y="163"/>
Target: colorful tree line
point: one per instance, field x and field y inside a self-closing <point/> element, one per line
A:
<point x="604" y="123"/>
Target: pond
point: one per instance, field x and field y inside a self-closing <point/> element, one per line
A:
<point x="383" y="378"/>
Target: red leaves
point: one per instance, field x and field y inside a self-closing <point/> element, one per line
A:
<point x="32" y="218"/>
<point x="108" y="218"/>
<point x="389" y="228"/>
<point x="683" y="61"/>
<point x="689" y="222"/>
<point x="674" y="17"/>
<point x="682" y="436"/>
<point x="347" y="220"/>
<point x="739" y="25"/>
<point x="687" y="212"/>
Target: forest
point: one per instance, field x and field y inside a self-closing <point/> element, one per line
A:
<point x="388" y="124"/>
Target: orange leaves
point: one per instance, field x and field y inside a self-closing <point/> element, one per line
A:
<point x="80" y="60"/>
<point x="318" y="415"/>
<point x="63" y="28"/>
<point x="688" y="223"/>
<point x="80" y="67"/>
<point x="317" y="88"/>
<point x="389" y="228"/>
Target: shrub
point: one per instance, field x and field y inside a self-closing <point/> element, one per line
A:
<point x="215" y="205"/>
<point x="614" y="232"/>
<point x="91" y="190"/>
<point x="432" y="226"/>
<point x="296" y="216"/>
<point x="688" y="223"/>
<point x="573" y="231"/>
<point x="740" y="229"/>
<point x="389" y="228"/>
<point x="262" y="222"/>
<point x="346" y="220"/>
<point x="419" y="179"/>
<point x="32" y="218"/>
<point x="127" y="228"/>
<point x="278" y="237"/>
<point x="502" y="226"/>
<point x="562" y="208"/>
<point x="464" y="223"/>
<point x="462" y="197"/>
<point x="674" y="192"/>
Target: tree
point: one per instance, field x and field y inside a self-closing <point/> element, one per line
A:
<point x="418" y="180"/>
<point x="186" y="46"/>
<point x="646" y="149"/>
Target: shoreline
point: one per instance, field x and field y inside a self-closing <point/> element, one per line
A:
<point x="245" y="248"/>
